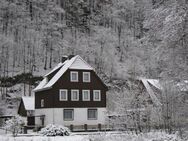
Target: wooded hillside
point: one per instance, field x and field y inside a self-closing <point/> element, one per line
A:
<point x="120" y="38"/>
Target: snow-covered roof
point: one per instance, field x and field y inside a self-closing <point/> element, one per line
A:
<point x="29" y="103"/>
<point x="151" y="93"/>
<point x="41" y="84"/>
<point x="74" y="63"/>
<point x="55" y="68"/>
<point x="155" y="83"/>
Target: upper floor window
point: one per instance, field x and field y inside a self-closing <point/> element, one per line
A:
<point x="63" y="95"/>
<point x="42" y="103"/>
<point x="86" y="77"/>
<point x="74" y="76"/>
<point x="86" y="95"/>
<point x="96" y="95"/>
<point x="74" y="95"/>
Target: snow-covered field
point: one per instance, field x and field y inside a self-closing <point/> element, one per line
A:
<point x="110" y="136"/>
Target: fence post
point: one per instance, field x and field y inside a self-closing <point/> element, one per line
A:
<point x="25" y="129"/>
<point x="99" y="127"/>
<point x="85" y="127"/>
<point x="71" y="127"/>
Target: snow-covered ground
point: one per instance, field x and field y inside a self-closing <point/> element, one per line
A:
<point x="97" y="136"/>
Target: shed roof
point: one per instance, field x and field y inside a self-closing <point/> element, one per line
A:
<point x="29" y="103"/>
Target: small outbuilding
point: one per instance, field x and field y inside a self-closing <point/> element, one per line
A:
<point x="26" y="107"/>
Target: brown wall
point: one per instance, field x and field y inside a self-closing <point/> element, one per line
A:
<point x="21" y="110"/>
<point x="51" y="96"/>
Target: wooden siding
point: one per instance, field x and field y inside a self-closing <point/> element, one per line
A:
<point x="51" y="96"/>
<point x="21" y="110"/>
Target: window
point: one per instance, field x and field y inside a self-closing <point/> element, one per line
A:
<point x="68" y="114"/>
<point x="63" y="95"/>
<point x="92" y="114"/>
<point x="96" y="95"/>
<point x="74" y="95"/>
<point x="42" y="103"/>
<point x="86" y="76"/>
<point x="74" y="76"/>
<point x="86" y="95"/>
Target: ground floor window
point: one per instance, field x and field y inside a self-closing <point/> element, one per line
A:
<point x="92" y="114"/>
<point x="68" y="114"/>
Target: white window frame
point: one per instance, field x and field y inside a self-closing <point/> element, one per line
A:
<point x="60" y="98"/>
<point x="88" y="95"/>
<point x="92" y="118"/>
<point x="65" y="119"/>
<point x="72" y="72"/>
<point x="88" y="77"/>
<point x="94" y="95"/>
<point x="42" y="102"/>
<point x="72" y="95"/>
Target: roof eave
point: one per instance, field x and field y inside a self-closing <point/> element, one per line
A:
<point x="43" y="89"/>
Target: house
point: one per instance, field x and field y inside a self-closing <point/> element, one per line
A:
<point x="144" y="106"/>
<point x="72" y="95"/>
<point x="27" y="109"/>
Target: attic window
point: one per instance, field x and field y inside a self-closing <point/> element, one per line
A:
<point x="86" y="76"/>
<point x="74" y="76"/>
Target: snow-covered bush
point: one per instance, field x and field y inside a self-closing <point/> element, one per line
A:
<point x="14" y="124"/>
<point x="55" y="130"/>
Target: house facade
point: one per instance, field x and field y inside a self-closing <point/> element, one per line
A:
<point x="71" y="95"/>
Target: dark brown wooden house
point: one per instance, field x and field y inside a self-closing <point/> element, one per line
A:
<point x="72" y="95"/>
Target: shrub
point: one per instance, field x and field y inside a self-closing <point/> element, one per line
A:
<point x="55" y="130"/>
<point x="14" y="125"/>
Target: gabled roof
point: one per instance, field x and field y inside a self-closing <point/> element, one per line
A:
<point x="74" y="63"/>
<point x="29" y="103"/>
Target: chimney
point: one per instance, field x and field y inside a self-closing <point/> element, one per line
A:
<point x="63" y="59"/>
<point x="70" y="56"/>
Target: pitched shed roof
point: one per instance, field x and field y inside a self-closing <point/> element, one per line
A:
<point x="74" y="63"/>
<point x="29" y="103"/>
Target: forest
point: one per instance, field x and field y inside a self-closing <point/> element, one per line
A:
<point x="122" y="39"/>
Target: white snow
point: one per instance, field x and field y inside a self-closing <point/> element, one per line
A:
<point x="41" y="84"/>
<point x="43" y="138"/>
<point x="99" y="136"/>
<point x="29" y="103"/>
<point x="74" y="63"/>
<point x="81" y="64"/>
